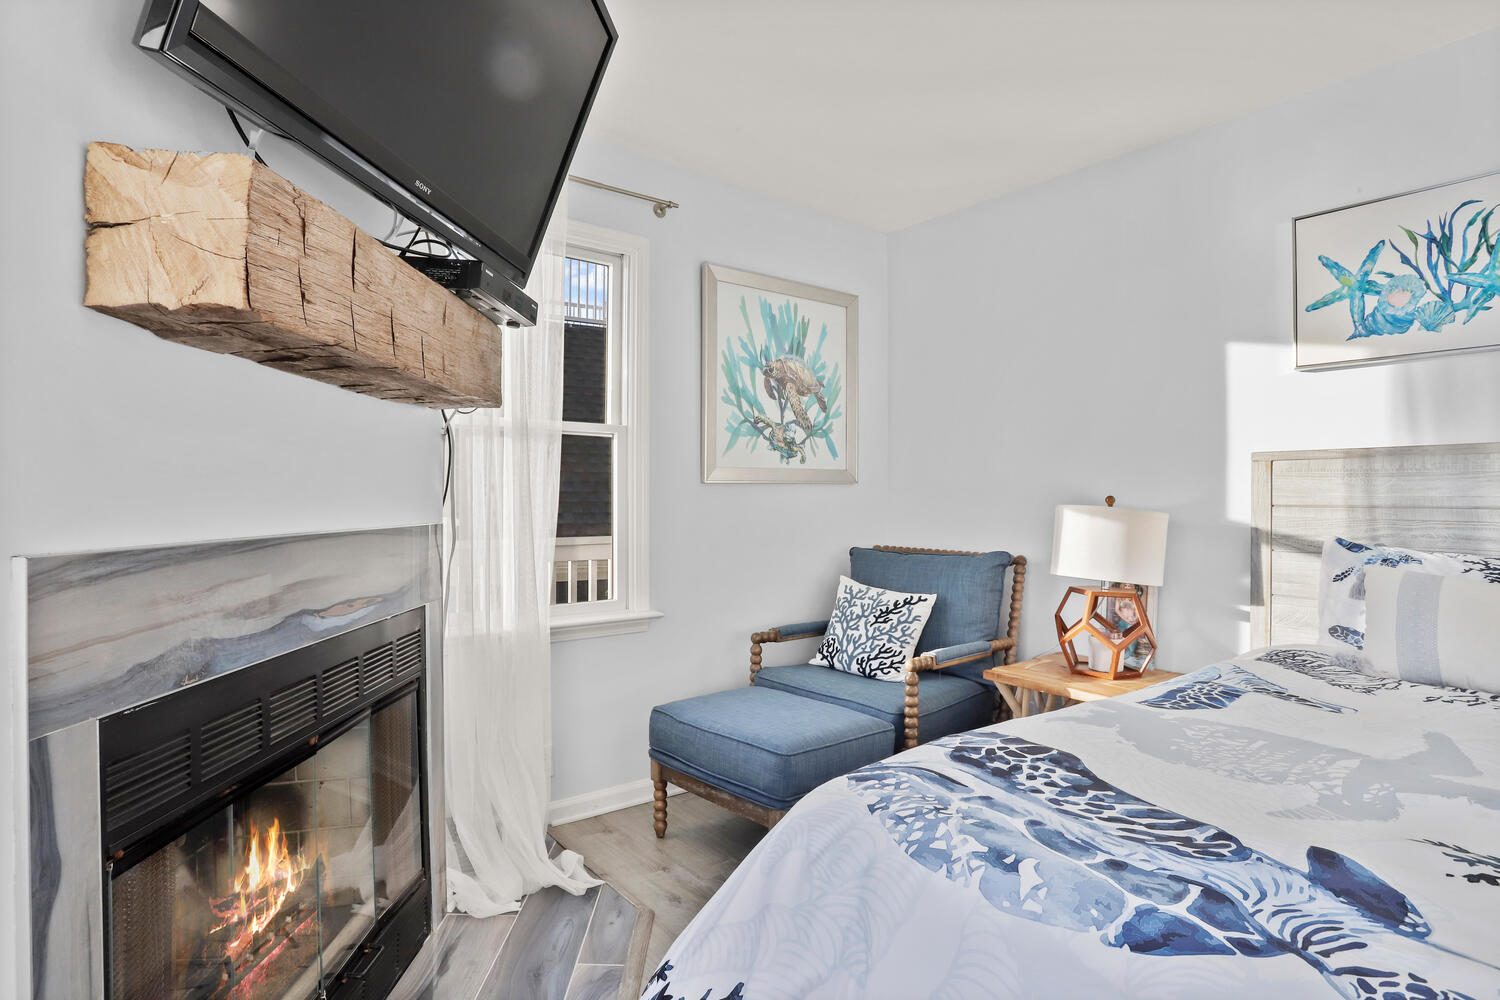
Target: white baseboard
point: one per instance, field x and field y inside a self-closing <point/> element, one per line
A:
<point x="605" y="800"/>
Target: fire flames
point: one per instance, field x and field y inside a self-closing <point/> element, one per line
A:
<point x="271" y="874"/>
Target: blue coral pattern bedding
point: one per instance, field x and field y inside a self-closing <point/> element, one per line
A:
<point x="1281" y="825"/>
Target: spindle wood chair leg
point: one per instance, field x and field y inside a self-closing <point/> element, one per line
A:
<point x="659" y="797"/>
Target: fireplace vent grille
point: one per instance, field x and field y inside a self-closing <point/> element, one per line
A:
<point x="379" y="666"/>
<point x="146" y="780"/>
<point x="340" y="686"/>
<point x="293" y="709"/>
<point x="231" y="738"/>
<point x="408" y="655"/>
<point x="150" y="782"/>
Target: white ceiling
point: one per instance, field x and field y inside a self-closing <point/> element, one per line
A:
<point x="891" y="112"/>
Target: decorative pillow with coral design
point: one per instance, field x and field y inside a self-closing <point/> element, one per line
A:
<point x="873" y="632"/>
<point x="1341" y="595"/>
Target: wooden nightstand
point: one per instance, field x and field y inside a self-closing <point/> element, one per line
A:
<point x="1045" y="683"/>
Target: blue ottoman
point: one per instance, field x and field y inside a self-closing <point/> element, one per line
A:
<point x="757" y="751"/>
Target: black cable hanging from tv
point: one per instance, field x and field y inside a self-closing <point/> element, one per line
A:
<point x="244" y="137"/>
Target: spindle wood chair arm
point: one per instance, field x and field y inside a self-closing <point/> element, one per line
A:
<point x="772" y="635"/>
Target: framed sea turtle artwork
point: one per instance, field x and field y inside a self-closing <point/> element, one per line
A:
<point x="779" y="380"/>
<point x="1408" y="276"/>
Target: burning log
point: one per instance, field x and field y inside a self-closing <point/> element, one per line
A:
<point x="268" y="910"/>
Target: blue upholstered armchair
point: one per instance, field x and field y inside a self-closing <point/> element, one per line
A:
<point x="945" y="691"/>
<point x="759" y="749"/>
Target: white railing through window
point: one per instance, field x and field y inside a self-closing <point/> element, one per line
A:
<point x="581" y="570"/>
<point x="586" y="292"/>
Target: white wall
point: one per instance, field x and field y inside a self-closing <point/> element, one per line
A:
<point x="726" y="559"/>
<point x="111" y="437"/>
<point x="1126" y="330"/>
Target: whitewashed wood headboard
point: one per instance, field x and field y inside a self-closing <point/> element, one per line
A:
<point x="1441" y="498"/>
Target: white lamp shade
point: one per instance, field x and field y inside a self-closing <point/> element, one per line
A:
<point x="1113" y="544"/>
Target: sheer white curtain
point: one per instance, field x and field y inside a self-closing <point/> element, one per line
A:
<point x="501" y="520"/>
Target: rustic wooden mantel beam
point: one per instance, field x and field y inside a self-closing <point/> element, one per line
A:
<point x="220" y="252"/>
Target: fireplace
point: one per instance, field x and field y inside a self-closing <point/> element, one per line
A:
<point x="265" y="832"/>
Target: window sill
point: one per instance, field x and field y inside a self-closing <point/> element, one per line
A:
<point x="615" y="623"/>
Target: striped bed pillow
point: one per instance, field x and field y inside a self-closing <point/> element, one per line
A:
<point x="1432" y="629"/>
<point x="1341" y="593"/>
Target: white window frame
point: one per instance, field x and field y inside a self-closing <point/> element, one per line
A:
<point x="629" y="606"/>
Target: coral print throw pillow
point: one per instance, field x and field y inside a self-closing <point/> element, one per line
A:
<point x="873" y="632"/>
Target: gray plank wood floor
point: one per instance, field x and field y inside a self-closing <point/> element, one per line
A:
<point x="673" y="876"/>
<point x="557" y="947"/>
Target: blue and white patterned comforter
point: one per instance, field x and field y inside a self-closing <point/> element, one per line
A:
<point x="1281" y="825"/>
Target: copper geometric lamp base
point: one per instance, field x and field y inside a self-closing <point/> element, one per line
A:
<point x="1111" y="635"/>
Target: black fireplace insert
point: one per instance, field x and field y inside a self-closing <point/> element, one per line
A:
<point x="265" y="832"/>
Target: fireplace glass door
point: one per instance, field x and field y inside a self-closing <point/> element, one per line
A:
<point x="270" y="896"/>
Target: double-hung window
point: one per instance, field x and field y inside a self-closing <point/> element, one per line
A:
<point x="601" y="578"/>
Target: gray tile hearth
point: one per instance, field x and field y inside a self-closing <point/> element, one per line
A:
<point x="595" y="982"/>
<point x="558" y="947"/>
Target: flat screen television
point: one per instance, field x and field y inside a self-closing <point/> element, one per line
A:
<point x="463" y="115"/>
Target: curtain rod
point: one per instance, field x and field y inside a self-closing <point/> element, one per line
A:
<point x="658" y="205"/>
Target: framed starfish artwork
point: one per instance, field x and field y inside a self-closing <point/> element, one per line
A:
<point x="1413" y="275"/>
<point x="779" y="380"/>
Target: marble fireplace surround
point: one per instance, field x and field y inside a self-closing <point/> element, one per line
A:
<point x="107" y="630"/>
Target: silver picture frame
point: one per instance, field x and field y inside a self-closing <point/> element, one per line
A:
<point x="794" y="422"/>
<point x="1395" y="230"/>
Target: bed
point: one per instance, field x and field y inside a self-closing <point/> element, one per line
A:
<point x="1281" y="824"/>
